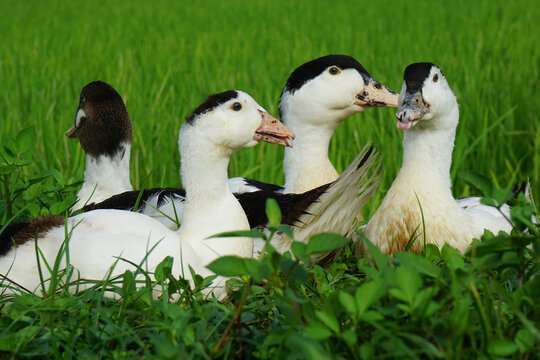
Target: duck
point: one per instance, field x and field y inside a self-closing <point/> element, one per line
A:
<point x="419" y="204"/>
<point x="105" y="131"/>
<point x="316" y="98"/>
<point x="106" y="243"/>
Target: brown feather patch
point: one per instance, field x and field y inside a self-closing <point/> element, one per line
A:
<point x="16" y="234"/>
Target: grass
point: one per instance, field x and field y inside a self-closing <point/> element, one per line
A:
<point x="164" y="59"/>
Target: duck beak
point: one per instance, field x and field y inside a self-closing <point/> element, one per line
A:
<point x="375" y="94"/>
<point x="413" y="109"/>
<point x="72" y="132"/>
<point x="273" y="131"/>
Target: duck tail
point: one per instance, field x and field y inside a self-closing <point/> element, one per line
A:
<point x="338" y="208"/>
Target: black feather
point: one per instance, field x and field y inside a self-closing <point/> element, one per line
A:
<point x="211" y="103"/>
<point x="415" y="74"/>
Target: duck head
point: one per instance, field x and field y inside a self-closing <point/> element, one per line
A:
<point x="233" y="120"/>
<point x="425" y="95"/>
<point x="102" y="123"/>
<point x="330" y="89"/>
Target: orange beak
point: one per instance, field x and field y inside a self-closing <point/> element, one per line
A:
<point x="273" y="131"/>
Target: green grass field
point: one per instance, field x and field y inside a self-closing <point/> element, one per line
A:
<point x="165" y="58"/>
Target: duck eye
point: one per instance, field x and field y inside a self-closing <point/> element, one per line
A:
<point x="334" y="70"/>
<point x="82" y="98"/>
<point x="236" y="106"/>
<point x="435" y="77"/>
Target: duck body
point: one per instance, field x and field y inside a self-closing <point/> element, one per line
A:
<point x="222" y="125"/>
<point x="420" y="197"/>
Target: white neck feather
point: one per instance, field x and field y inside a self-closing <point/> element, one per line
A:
<point x="104" y="177"/>
<point x="429" y="150"/>
<point x="306" y="164"/>
<point x="210" y="207"/>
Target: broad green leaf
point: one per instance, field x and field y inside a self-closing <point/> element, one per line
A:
<point x="422" y="297"/>
<point x="329" y="320"/>
<point x="502" y="196"/>
<point x="409" y="282"/>
<point x="7" y="169"/>
<point x="295" y="271"/>
<point x="298" y="249"/>
<point x="256" y="269"/>
<point x="419" y="263"/>
<point x="26" y="139"/>
<point x="288" y="310"/>
<point x="8" y="154"/>
<point x="452" y="258"/>
<point x="318" y="331"/>
<point x="22" y="162"/>
<point x="273" y="212"/>
<point x="479" y="181"/>
<point x="524" y="340"/>
<point x="59" y="208"/>
<point x="488" y="201"/>
<point x="381" y="260"/>
<point x="502" y="347"/>
<point x="228" y="266"/>
<point x="501" y="243"/>
<point x="286" y="229"/>
<point x="347" y="300"/>
<point x="350" y="337"/>
<point x="371" y="316"/>
<point x="432" y="253"/>
<point x="164" y="269"/>
<point x="325" y="242"/>
<point x="368" y="294"/>
<point x="522" y="215"/>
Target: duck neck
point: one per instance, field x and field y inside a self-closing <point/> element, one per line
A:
<point x="427" y="151"/>
<point x="210" y="207"/>
<point x="105" y="176"/>
<point x="306" y="164"/>
<point x="204" y="175"/>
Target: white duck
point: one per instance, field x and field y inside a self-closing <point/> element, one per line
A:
<point x="428" y="115"/>
<point x="317" y="96"/>
<point x="222" y="125"/>
<point x="104" y="129"/>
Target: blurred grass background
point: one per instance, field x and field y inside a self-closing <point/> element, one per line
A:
<point x="165" y="58"/>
